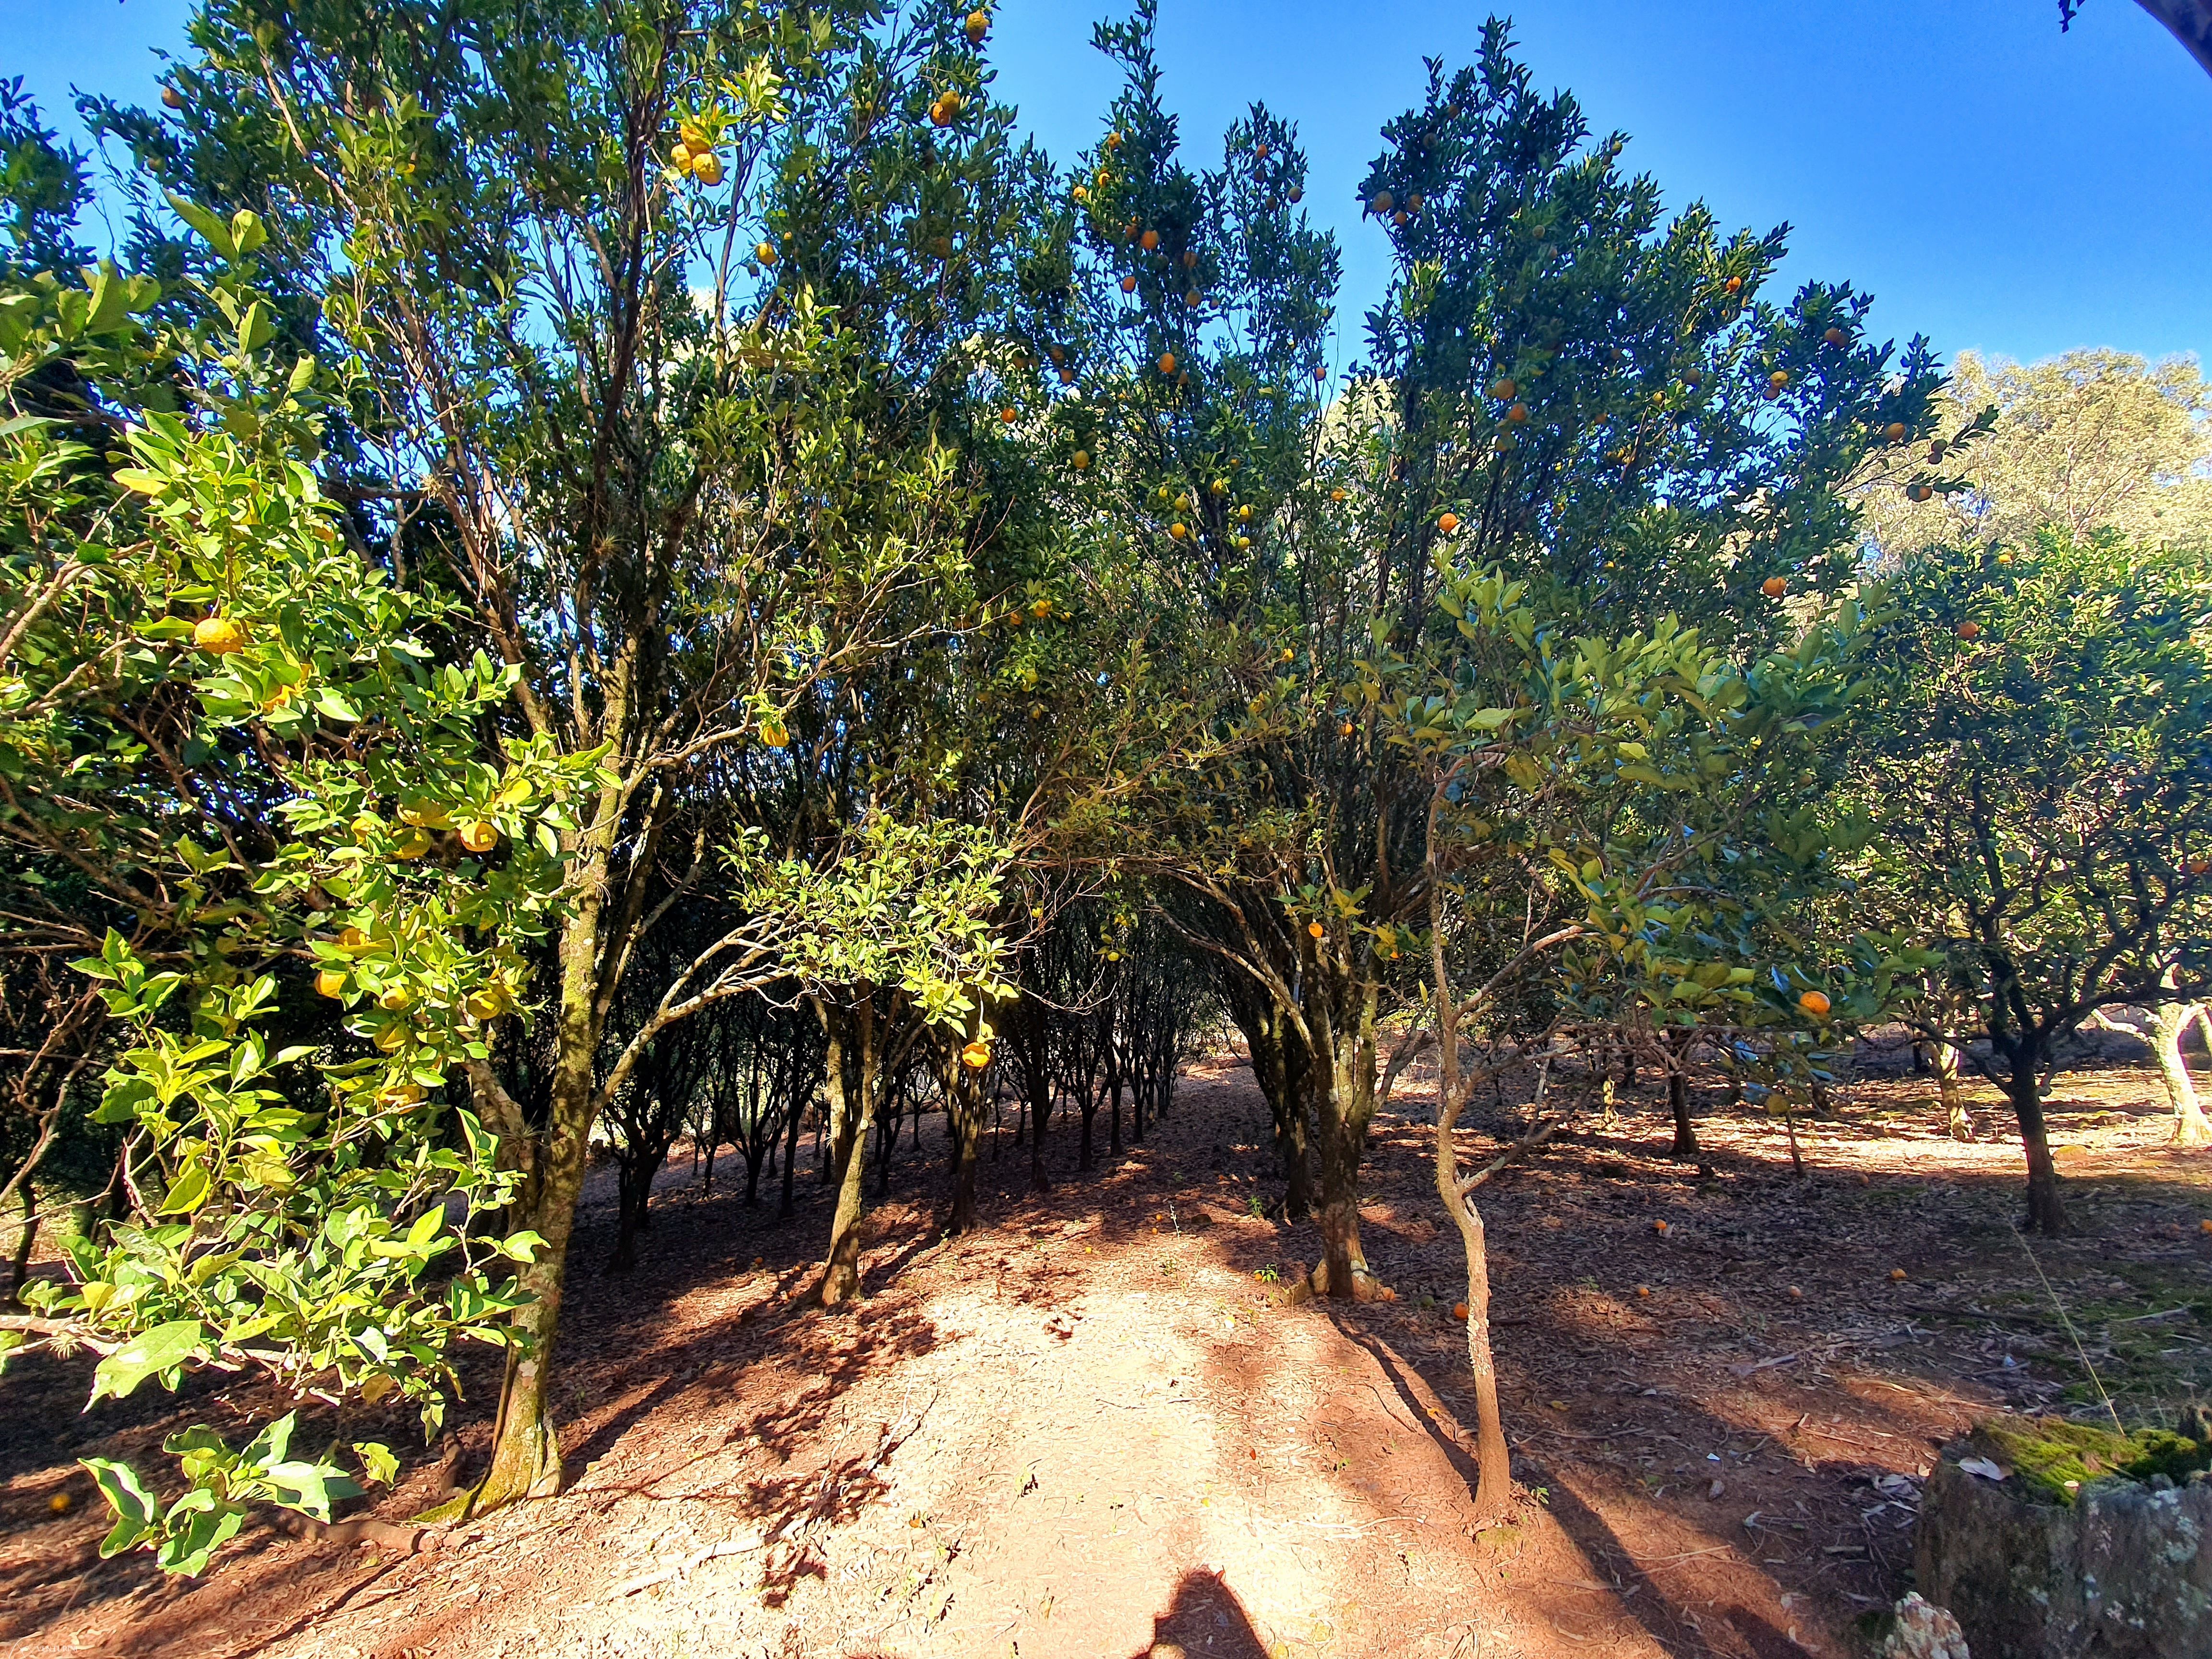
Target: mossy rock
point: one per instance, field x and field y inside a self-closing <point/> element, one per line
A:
<point x="2053" y="1458"/>
<point x="2119" y="1567"/>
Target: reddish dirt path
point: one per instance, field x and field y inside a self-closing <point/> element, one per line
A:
<point x="1095" y="1430"/>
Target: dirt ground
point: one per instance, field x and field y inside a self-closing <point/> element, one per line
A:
<point x="1096" y="1428"/>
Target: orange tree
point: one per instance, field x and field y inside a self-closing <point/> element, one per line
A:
<point x="235" y="771"/>
<point x="1210" y="297"/>
<point x="2034" y="753"/>
<point x="1615" y="830"/>
<point x="677" y="496"/>
<point x="1603" y="405"/>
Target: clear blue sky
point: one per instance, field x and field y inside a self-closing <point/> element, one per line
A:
<point x="1995" y="184"/>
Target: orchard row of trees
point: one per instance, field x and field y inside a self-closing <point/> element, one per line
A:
<point x="653" y="567"/>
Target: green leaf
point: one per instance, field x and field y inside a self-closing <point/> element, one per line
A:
<point x="377" y="1461"/>
<point x="212" y="229"/>
<point x="132" y="1504"/>
<point x="159" y="1349"/>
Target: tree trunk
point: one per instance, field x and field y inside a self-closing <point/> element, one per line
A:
<point x="1040" y="1115"/>
<point x="2046" y="1211"/>
<point x="1345" y="1098"/>
<point x="1493" y="1458"/>
<point x="2172" y="1020"/>
<point x="1089" y="1111"/>
<point x="1678" y="1098"/>
<point x="791" y="1134"/>
<point x="525" y="1451"/>
<point x="1951" y="1093"/>
<point x="20" y="1268"/>
<point x="963" y="1114"/>
<point x="851" y="1086"/>
<point x="526" y="1458"/>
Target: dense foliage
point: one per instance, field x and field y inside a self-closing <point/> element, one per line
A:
<point x="600" y="573"/>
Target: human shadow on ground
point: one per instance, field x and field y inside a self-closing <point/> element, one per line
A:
<point x="1205" y="1619"/>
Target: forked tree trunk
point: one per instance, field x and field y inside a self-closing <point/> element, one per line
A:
<point x="1951" y="1093"/>
<point x="2171" y="1023"/>
<point x="1494" y="1459"/>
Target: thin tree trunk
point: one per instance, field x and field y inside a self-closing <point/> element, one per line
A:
<point x="2171" y="1023"/>
<point x="2046" y="1211"/>
<point x="1950" y="1092"/>
<point x="791" y="1133"/>
<point x="25" y="1241"/>
<point x="1678" y="1098"/>
<point x="850" y="1098"/>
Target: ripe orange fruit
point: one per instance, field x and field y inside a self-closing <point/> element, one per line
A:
<point x="1779" y="379"/>
<point x="172" y="98"/>
<point x="1517" y="413"/>
<point x="1067" y="377"/>
<point x="976" y="1055"/>
<point x="1448" y="523"/>
<point x="1506" y="390"/>
<point x="1734" y="285"/>
<point x="679" y="156"/>
<point x="1149" y="240"/>
<point x="1179" y="530"/>
<point x="707" y="168"/>
<point x="1194" y="298"/>
<point x="1260" y="152"/>
<point x="1316" y="930"/>
<point x="479" y="835"/>
<point x="1113" y="140"/>
<point x="218" y="635"/>
<point x="1399" y="217"/>
<point x="1298" y="193"/>
<point x="330" y="983"/>
<point x="1897" y="1275"/>
<point x="1167" y="362"/>
<point x="1080" y="193"/>
<point x="1894" y="432"/>
<point x="978" y="24"/>
<point x="1813" y="1003"/>
<point x="1190" y="258"/>
<point x="1797" y="1295"/>
<point x="1967" y="630"/>
<point x="1345" y="730"/>
<point x="2199" y="866"/>
<point x="1835" y="336"/>
<point x="1080" y="459"/>
<point x="1129" y="285"/>
<point x="1918" y="492"/>
<point x="1775" y="586"/>
<point x="1459" y="1310"/>
<point x="1009" y="416"/>
<point x="1336" y="495"/>
<point x="1382" y="204"/>
<point x="1659" y="1227"/>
